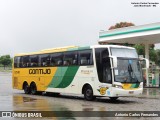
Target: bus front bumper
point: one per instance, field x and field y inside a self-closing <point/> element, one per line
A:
<point x="117" y="92"/>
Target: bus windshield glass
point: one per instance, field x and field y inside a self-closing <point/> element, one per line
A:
<point x="128" y="67"/>
<point x="128" y="71"/>
<point x="124" y="52"/>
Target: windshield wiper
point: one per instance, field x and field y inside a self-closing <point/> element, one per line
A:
<point x="131" y="73"/>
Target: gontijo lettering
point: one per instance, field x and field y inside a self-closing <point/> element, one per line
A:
<point x="39" y="71"/>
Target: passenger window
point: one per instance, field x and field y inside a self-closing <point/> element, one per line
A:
<point x="25" y="61"/>
<point x="56" y="59"/>
<point x="34" y="61"/>
<point x="85" y="57"/>
<point x="17" y="62"/>
<point x="44" y="60"/>
<point x="70" y="58"/>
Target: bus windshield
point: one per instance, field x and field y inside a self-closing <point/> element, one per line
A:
<point x="128" y="66"/>
<point x="128" y="71"/>
<point x="124" y="52"/>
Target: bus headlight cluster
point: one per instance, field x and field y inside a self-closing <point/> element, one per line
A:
<point x="118" y="86"/>
<point x="141" y="85"/>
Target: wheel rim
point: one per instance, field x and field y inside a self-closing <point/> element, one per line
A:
<point x="88" y="93"/>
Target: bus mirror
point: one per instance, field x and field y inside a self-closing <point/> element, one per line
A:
<point x="147" y="62"/>
<point x="114" y="61"/>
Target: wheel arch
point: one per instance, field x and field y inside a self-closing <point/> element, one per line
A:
<point x="24" y="83"/>
<point x="33" y="83"/>
<point x="86" y="85"/>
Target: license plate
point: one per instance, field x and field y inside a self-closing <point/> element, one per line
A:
<point x="131" y="92"/>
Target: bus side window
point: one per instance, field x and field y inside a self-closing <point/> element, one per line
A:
<point x="17" y="62"/>
<point x="84" y="61"/>
<point x="56" y="59"/>
<point x="34" y="60"/>
<point x="44" y="60"/>
<point x="85" y="57"/>
<point x="25" y="61"/>
<point x="70" y="58"/>
<point x="59" y="62"/>
<point x="20" y="63"/>
<point x="53" y="63"/>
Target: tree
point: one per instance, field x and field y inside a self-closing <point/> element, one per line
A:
<point x="5" y="60"/>
<point x="121" y="25"/>
<point x="158" y="57"/>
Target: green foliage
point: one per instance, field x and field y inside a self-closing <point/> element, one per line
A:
<point x="152" y="53"/>
<point x="158" y="57"/>
<point x="121" y="25"/>
<point x="5" y="60"/>
<point x="140" y="49"/>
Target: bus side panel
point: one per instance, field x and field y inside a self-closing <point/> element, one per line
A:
<point x="24" y="74"/>
<point x="19" y="76"/>
<point x="73" y="79"/>
<point x="86" y="75"/>
<point x="62" y="79"/>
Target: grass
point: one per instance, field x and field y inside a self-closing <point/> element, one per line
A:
<point x="7" y="69"/>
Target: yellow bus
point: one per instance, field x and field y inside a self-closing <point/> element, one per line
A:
<point x="99" y="70"/>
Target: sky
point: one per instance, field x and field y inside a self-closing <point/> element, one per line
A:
<point x="33" y="25"/>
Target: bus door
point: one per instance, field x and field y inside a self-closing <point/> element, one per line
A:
<point x="103" y="65"/>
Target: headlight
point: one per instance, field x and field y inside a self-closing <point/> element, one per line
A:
<point x="118" y="86"/>
<point x="141" y="85"/>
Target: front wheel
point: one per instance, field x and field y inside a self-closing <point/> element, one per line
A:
<point x="113" y="98"/>
<point x="88" y="93"/>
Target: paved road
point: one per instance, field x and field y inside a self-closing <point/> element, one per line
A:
<point x="12" y="100"/>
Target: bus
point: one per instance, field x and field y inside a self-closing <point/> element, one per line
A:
<point x="93" y="71"/>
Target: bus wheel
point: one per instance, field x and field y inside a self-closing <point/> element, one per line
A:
<point x="33" y="88"/>
<point x="88" y="93"/>
<point x="56" y="94"/>
<point x="113" y="98"/>
<point x="26" y="88"/>
<point x="53" y="94"/>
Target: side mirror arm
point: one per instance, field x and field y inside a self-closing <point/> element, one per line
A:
<point x="115" y="61"/>
<point x="147" y="62"/>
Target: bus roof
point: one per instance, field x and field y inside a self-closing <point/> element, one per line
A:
<point x="109" y="46"/>
<point x="70" y="48"/>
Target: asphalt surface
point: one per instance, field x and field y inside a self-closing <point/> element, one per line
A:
<point x="16" y="100"/>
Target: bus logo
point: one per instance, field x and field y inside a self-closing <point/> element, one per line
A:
<point x="39" y="71"/>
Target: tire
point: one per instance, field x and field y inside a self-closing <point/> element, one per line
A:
<point x="56" y="94"/>
<point x="33" y="89"/>
<point x="113" y="98"/>
<point x="88" y="94"/>
<point x="26" y="88"/>
<point x="53" y="94"/>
